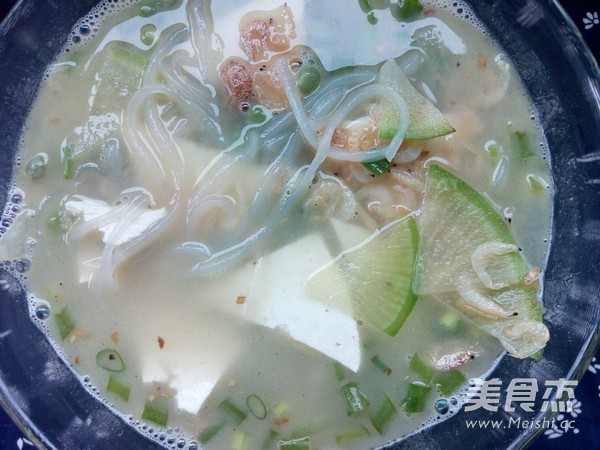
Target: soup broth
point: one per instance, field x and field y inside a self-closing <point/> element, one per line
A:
<point x="225" y="225"/>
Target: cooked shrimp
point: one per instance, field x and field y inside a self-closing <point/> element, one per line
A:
<point x="359" y="134"/>
<point x="262" y="32"/>
<point x="267" y="88"/>
<point x="235" y="75"/>
<point x="454" y="360"/>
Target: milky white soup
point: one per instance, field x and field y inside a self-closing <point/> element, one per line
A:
<point x="282" y="225"/>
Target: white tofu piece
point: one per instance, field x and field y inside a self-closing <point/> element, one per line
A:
<point x="192" y="376"/>
<point x="90" y="209"/>
<point x="278" y="299"/>
<point x="192" y="385"/>
<point x="89" y="252"/>
<point x="275" y="298"/>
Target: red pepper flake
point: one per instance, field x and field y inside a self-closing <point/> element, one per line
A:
<point x="161" y="342"/>
<point x="388" y="371"/>
<point x="77" y="360"/>
<point x="281" y="420"/>
<point x="241" y="300"/>
<point x="114" y="337"/>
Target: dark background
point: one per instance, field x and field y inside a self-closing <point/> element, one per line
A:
<point x="5" y="6"/>
<point x="585" y="415"/>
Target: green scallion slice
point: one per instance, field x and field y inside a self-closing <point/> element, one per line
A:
<point x="232" y="413"/>
<point x="156" y="413"/>
<point x="65" y="323"/>
<point x="110" y="359"/>
<point x="68" y="161"/>
<point x="115" y="386"/>
<point x="416" y="397"/>
<point x="356" y="400"/>
<point x="351" y="434"/>
<point x="449" y="382"/>
<point x="409" y="9"/>
<point x="209" y="432"/>
<point x="381" y="364"/>
<point x="420" y="366"/>
<point x="519" y="142"/>
<point x="384" y="415"/>
<point x="339" y="371"/>
<point x="378" y="168"/>
<point x="241" y="441"/>
<point x="256" y="406"/>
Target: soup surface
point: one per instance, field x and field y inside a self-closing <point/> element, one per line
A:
<point x="282" y="225"/>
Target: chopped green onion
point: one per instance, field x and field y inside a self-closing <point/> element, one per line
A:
<point x="416" y="397"/>
<point x="65" y="323"/>
<point x="339" y="371"/>
<point x="365" y="6"/>
<point x="35" y="167"/>
<point x="302" y="443"/>
<point x="209" y="432"/>
<point x="151" y="7"/>
<point x="372" y="19"/>
<point x="55" y="222"/>
<point x="448" y="382"/>
<point x="494" y="151"/>
<point x="124" y="63"/>
<point x="308" y="78"/>
<point x="384" y="415"/>
<point x="121" y="74"/>
<point x="378" y="167"/>
<point x="380" y="363"/>
<point x="147" y="11"/>
<point x="379" y="4"/>
<point x="256" y="406"/>
<point x="241" y="441"/>
<point x="451" y="322"/>
<point x="409" y="9"/>
<point x="351" y="434"/>
<point x="110" y="359"/>
<point x="356" y="400"/>
<point x="280" y="409"/>
<point x="155" y="413"/>
<point x="537" y="355"/>
<point x="118" y="388"/>
<point x="68" y="162"/>
<point x="519" y="142"/>
<point x="536" y="183"/>
<point x="420" y="366"/>
<point x="257" y="115"/>
<point x="148" y="34"/>
<point x="270" y="439"/>
<point x="231" y="412"/>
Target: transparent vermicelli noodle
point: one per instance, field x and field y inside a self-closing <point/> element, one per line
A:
<point x="214" y="198"/>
